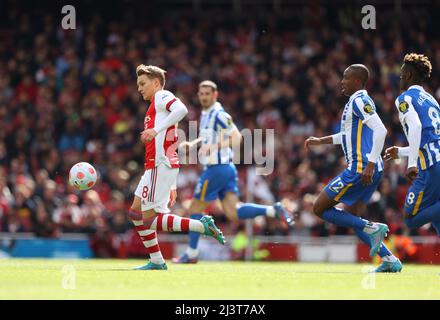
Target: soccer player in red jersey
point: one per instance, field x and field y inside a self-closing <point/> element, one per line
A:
<point x="149" y="211"/>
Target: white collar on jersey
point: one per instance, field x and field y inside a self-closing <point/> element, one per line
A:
<point x="416" y="86"/>
<point x="211" y="107"/>
<point x="357" y="92"/>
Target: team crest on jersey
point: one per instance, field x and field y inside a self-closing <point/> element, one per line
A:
<point x="403" y="107"/>
<point x="368" y="109"/>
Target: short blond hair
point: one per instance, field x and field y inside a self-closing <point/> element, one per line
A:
<point x="208" y="83"/>
<point x="151" y="72"/>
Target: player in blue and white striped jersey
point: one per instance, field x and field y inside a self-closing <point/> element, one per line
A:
<point x="419" y="114"/>
<point x="362" y="137"/>
<point x="219" y="178"/>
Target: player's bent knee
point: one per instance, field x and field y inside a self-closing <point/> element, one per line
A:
<point x="197" y="206"/>
<point x="318" y="210"/>
<point x="231" y="213"/>
<point x="135" y="212"/>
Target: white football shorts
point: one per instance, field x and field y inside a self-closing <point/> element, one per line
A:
<point x="155" y="186"/>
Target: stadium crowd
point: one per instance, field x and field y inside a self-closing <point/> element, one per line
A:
<point x="70" y="95"/>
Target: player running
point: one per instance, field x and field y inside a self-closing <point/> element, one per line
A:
<point x="419" y="114"/>
<point x="217" y="134"/>
<point x="362" y="137"/>
<point x="149" y="211"/>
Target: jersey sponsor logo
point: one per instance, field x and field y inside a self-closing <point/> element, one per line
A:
<point x="403" y="107"/>
<point x="368" y="109"/>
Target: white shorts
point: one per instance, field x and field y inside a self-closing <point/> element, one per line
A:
<point x="154" y="188"/>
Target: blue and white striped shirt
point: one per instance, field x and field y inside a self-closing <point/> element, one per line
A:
<point x="416" y="99"/>
<point x="357" y="138"/>
<point x="215" y="125"/>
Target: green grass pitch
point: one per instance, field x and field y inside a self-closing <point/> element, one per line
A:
<point x="114" y="279"/>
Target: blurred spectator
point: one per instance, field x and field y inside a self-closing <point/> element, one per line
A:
<point x="43" y="224"/>
<point x="103" y="242"/>
<point x="69" y="215"/>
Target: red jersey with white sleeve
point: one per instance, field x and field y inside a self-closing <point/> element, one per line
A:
<point x="163" y="114"/>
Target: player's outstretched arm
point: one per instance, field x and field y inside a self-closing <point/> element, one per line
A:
<point x="314" y="141"/>
<point x="190" y="144"/>
<point x="394" y="152"/>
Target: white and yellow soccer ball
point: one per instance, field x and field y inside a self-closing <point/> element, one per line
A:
<point x="83" y="176"/>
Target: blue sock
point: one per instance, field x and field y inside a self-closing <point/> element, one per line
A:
<point x="250" y="211"/>
<point x="383" y="251"/>
<point x="343" y="218"/>
<point x="194" y="236"/>
<point x="436" y="226"/>
<point x="430" y="214"/>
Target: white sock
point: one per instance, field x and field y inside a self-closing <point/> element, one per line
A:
<point x="270" y="212"/>
<point x="389" y="258"/>
<point x="192" y="253"/>
<point x="196" y="225"/>
<point x="157" y="257"/>
<point x="370" y="227"/>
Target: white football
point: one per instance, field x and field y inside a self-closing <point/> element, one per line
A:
<point x="82" y="176"/>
